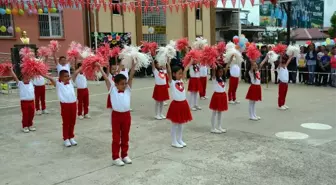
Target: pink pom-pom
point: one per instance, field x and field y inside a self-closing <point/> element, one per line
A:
<point x="149" y="47"/>
<point x="182" y="44"/>
<point x="221" y="48"/>
<point x="193" y="55"/>
<point x="32" y="67"/>
<point x="252" y="52"/>
<point x="104" y="50"/>
<point x="90" y="68"/>
<point x="5" y="69"/>
<point x="114" y="51"/>
<point x="44" y="52"/>
<point x="209" y="56"/>
<point x="26" y="52"/>
<point x="54" y="46"/>
<point x="73" y="54"/>
<point x="280" y="49"/>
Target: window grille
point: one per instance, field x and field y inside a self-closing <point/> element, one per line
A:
<point x="51" y="25"/>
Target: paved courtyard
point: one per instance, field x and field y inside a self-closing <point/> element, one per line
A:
<point x="250" y="153"/>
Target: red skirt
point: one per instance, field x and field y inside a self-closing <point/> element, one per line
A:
<point x="194" y="85"/>
<point x="254" y="93"/>
<point x="108" y="103"/>
<point x="167" y="80"/>
<point x="179" y="112"/>
<point x="160" y="93"/>
<point x="219" y="102"/>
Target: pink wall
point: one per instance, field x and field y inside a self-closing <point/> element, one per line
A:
<point x="72" y="24"/>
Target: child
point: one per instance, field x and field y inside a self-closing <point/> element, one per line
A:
<point x="120" y="93"/>
<point x="203" y="79"/>
<point x="178" y="111"/>
<point x="219" y="102"/>
<point x="160" y="93"/>
<point x="66" y="95"/>
<point x="194" y="86"/>
<point x="324" y="67"/>
<point x="82" y="95"/>
<point x="254" y="91"/>
<point x="61" y="64"/>
<point x="40" y="92"/>
<point x="233" y="82"/>
<point x="26" y="90"/>
<point x="166" y="74"/>
<point x="283" y="83"/>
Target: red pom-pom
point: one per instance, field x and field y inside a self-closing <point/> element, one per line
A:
<point x="182" y="44"/>
<point x="221" y="48"/>
<point x="44" y="52"/>
<point x="194" y="55"/>
<point x="90" y="68"/>
<point x="149" y="47"/>
<point x="73" y="54"/>
<point x="54" y="46"/>
<point x="280" y="49"/>
<point x="252" y="52"/>
<point x="104" y="50"/>
<point x="31" y="68"/>
<point x="115" y="51"/>
<point x="26" y="52"/>
<point x="5" y="69"/>
<point x="209" y="56"/>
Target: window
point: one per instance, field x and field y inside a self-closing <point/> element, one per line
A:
<point x="51" y="25"/>
<point x="198" y="14"/>
<point x="115" y="10"/>
<point x="7" y="21"/>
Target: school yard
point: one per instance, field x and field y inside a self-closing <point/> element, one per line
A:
<point x="277" y="150"/>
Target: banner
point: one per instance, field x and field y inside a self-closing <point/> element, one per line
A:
<point x="113" y="38"/>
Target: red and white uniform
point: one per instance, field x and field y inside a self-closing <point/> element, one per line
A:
<point x="124" y="72"/>
<point x="254" y="91"/>
<point x="82" y="94"/>
<point x="194" y="81"/>
<point x="60" y="67"/>
<point x="203" y="79"/>
<point x="67" y="98"/>
<point x="108" y="104"/>
<point x="219" y="100"/>
<point x="234" y="81"/>
<point x="121" y="119"/>
<point x="160" y="92"/>
<point x="27" y="103"/>
<point x="179" y="110"/>
<point x="40" y="91"/>
<point x="283" y="76"/>
<point x="166" y="74"/>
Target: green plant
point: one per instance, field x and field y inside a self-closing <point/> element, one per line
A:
<point x="332" y="29"/>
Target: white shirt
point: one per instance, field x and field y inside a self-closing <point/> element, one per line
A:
<point x="81" y="81"/>
<point x="234" y="70"/>
<point x="165" y="71"/>
<point x="121" y="102"/>
<point x="124" y="72"/>
<point x="160" y="77"/>
<point x="283" y="75"/>
<point x="39" y="81"/>
<point x="203" y="71"/>
<point x="177" y="90"/>
<point x="26" y="91"/>
<point x="111" y="79"/>
<point x="65" y="67"/>
<point x="194" y="73"/>
<point x="218" y="86"/>
<point x="66" y="93"/>
<point x="256" y="80"/>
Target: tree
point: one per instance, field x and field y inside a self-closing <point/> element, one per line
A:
<point x="332" y="29"/>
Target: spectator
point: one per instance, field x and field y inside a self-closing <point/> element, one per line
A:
<point x="333" y="68"/>
<point x="324" y="68"/>
<point x="302" y="66"/>
<point x="276" y="65"/>
<point x="311" y="58"/>
<point x="292" y="68"/>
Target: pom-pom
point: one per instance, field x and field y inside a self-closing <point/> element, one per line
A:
<point x="54" y="46"/>
<point x="89" y="67"/>
<point x="193" y="55"/>
<point x="252" y="52"/>
<point x="280" y="49"/>
<point x="114" y="52"/>
<point x="172" y="44"/>
<point x="104" y="50"/>
<point x="200" y="43"/>
<point x="165" y="53"/>
<point x="230" y="45"/>
<point x="74" y="51"/>
<point x="86" y="52"/>
<point x="130" y="55"/>
<point x="149" y="47"/>
<point x="44" y="52"/>
<point x="5" y="69"/>
<point x="209" y="56"/>
<point x="221" y="48"/>
<point x="293" y="51"/>
<point x="237" y="59"/>
<point x="182" y="44"/>
<point x="32" y="67"/>
<point x="272" y="57"/>
<point x="26" y="52"/>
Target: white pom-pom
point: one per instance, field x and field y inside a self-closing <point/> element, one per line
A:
<point x="200" y="43"/>
<point x="293" y="51"/>
<point x="230" y="45"/>
<point x="172" y="43"/>
<point x="164" y="53"/>
<point x="131" y="54"/>
<point x="272" y="57"/>
<point x="237" y="59"/>
<point x="86" y="51"/>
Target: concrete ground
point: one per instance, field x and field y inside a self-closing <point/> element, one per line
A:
<point x="250" y="153"/>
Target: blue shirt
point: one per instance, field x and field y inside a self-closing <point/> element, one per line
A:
<point x="325" y="59"/>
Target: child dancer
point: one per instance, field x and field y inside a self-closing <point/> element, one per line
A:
<point x="178" y="111"/>
<point x="283" y="83"/>
<point x="194" y="86"/>
<point x="219" y="102"/>
<point x="233" y="82"/>
<point x="61" y="64"/>
<point x="254" y="91"/>
<point x="66" y="95"/>
<point x="82" y="95"/>
<point x="26" y="90"/>
<point x="40" y="92"/>
<point x="120" y="93"/>
<point x="203" y="79"/>
<point x="160" y="93"/>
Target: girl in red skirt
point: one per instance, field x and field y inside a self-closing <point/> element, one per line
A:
<point x="219" y="102"/>
<point x="178" y="111"/>
<point x="203" y="79"/>
<point x="160" y="93"/>
<point x="194" y="86"/>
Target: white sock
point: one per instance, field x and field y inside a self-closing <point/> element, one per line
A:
<point x="173" y="133"/>
<point x="219" y="119"/>
<point x="179" y="133"/>
<point x="251" y="105"/>
<point x="195" y="99"/>
<point x="213" y="117"/>
<point x="160" y="108"/>
<point x="191" y="100"/>
<point x="254" y="110"/>
<point x="157" y="104"/>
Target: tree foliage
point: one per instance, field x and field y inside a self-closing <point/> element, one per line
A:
<point x="332" y="29"/>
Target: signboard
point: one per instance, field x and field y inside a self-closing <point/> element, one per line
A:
<point x="305" y="14"/>
<point x="113" y="38"/>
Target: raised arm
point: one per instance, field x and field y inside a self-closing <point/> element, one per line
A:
<point x="52" y="80"/>
<point x="228" y="64"/>
<point x="289" y="60"/>
<point x="169" y="73"/>
<point x="74" y="76"/>
<point x="264" y="61"/>
<point x="107" y="81"/>
<point x="55" y="59"/>
<point x="14" y="75"/>
<point x="132" y="72"/>
<point x="186" y="69"/>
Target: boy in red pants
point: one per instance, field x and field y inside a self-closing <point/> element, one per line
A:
<point x="82" y="95"/>
<point x="120" y="93"/>
<point x="40" y="91"/>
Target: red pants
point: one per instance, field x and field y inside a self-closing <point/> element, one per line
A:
<point x="68" y="112"/>
<point x="40" y="97"/>
<point x="28" y="112"/>
<point x="233" y="85"/>
<point x="204" y="83"/>
<point x="121" y="124"/>
<point x="283" y="87"/>
<point x="83" y="101"/>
